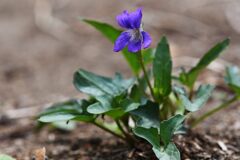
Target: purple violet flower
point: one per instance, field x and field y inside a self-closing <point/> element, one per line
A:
<point x="134" y="36"/>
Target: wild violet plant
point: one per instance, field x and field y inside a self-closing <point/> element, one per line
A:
<point x="152" y="106"/>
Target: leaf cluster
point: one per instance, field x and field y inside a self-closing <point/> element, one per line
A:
<point x="125" y="107"/>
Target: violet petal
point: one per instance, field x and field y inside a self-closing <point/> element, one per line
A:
<point x="136" y="18"/>
<point x="121" y="41"/>
<point x="146" y="39"/>
<point x="135" y="46"/>
<point x="123" y="20"/>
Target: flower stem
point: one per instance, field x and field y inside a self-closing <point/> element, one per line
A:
<point x="109" y="131"/>
<point x="211" y="112"/>
<point x="140" y="59"/>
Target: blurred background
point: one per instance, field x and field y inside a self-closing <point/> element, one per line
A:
<point x="42" y="42"/>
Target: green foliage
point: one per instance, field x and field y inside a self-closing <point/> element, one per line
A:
<point x="70" y="110"/>
<point x="95" y="85"/>
<point x="203" y="94"/>
<point x="232" y="79"/>
<point x="109" y="93"/>
<point x="138" y="90"/>
<point x="63" y="126"/>
<point x="190" y="77"/>
<point x="169" y="153"/>
<point x="126" y="109"/>
<point x="106" y="29"/>
<point x="149" y="134"/>
<point x="6" y="157"/>
<point x="147" y="115"/>
<point x="167" y="128"/>
<point x="103" y="105"/>
<point x="162" y="69"/>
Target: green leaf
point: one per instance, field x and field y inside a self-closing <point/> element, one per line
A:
<point x="103" y="105"/>
<point x="168" y="127"/>
<point x="203" y="94"/>
<point x="107" y="30"/>
<point x="96" y="85"/>
<point x="62" y="125"/>
<point x="129" y="105"/>
<point x="108" y="92"/>
<point x="147" y="115"/>
<point x="181" y="129"/>
<point x="152" y="136"/>
<point x="232" y="78"/>
<point x="6" y="157"/>
<point x="162" y="68"/>
<point x="138" y="90"/>
<point x="149" y="134"/>
<point x="112" y="33"/>
<point x="190" y="77"/>
<point x="170" y="153"/>
<point x="70" y="106"/>
<point x="124" y="107"/>
<point x="70" y="110"/>
<point x="112" y="108"/>
<point x="56" y="117"/>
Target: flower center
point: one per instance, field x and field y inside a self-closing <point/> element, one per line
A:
<point x="135" y="34"/>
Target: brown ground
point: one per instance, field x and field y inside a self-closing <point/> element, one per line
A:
<point x="21" y="138"/>
<point x="38" y="39"/>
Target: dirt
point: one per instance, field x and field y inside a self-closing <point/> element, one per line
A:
<point x="218" y="138"/>
<point x="42" y="43"/>
<point x="21" y="138"/>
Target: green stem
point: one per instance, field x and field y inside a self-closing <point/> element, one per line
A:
<point x="164" y="114"/>
<point x="191" y="92"/>
<point x="109" y="131"/>
<point x="129" y="138"/>
<point x="124" y="120"/>
<point x="172" y="107"/>
<point x="140" y="59"/>
<point x="211" y="112"/>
